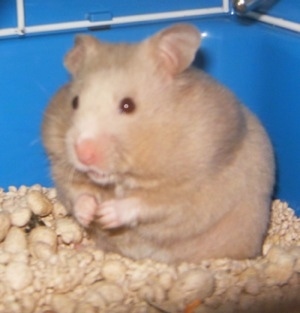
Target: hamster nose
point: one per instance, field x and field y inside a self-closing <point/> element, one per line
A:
<point x="86" y="151"/>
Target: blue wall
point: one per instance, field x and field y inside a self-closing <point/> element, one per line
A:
<point x="259" y="63"/>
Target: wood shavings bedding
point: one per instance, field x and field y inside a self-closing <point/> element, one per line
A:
<point x="49" y="265"/>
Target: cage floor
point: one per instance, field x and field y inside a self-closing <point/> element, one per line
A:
<point x="49" y="265"/>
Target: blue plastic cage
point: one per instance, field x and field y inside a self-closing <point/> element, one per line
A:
<point x="256" y="55"/>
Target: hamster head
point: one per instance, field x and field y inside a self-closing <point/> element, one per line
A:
<point x="124" y="123"/>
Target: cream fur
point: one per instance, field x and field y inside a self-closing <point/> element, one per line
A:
<point x="196" y="163"/>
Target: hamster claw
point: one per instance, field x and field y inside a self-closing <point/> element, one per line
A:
<point x="118" y="213"/>
<point x="108" y="216"/>
<point x="84" y="209"/>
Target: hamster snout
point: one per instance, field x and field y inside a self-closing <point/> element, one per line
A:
<point x="89" y="151"/>
<point x="93" y="155"/>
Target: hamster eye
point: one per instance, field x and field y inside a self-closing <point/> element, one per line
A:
<point x="75" y="102"/>
<point x="127" y="105"/>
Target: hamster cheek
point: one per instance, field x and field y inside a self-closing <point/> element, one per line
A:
<point x="119" y="212"/>
<point x="84" y="209"/>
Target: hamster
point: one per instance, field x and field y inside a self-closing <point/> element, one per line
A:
<point x="154" y="157"/>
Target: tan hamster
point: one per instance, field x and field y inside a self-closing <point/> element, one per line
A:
<point x="156" y="158"/>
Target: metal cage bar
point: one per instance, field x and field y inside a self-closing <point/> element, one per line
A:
<point x="21" y="29"/>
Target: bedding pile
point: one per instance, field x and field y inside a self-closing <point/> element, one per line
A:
<point x="48" y="264"/>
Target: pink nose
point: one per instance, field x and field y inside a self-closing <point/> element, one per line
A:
<point x="86" y="151"/>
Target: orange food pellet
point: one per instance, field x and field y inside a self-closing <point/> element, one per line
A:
<point x="192" y="306"/>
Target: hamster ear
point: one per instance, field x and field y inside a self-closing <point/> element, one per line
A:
<point x="85" y="47"/>
<point x="176" y="46"/>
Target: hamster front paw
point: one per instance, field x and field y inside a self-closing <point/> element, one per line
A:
<point x="85" y="208"/>
<point x="117" y="213"/>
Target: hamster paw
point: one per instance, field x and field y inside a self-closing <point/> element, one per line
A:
<point x="84" y="209"/>
<point x="118" y="213"/>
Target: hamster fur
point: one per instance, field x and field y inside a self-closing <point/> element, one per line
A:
<point x="155" y="158"/>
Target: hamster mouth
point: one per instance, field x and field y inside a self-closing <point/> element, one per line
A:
<point x="101" y="178"/>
